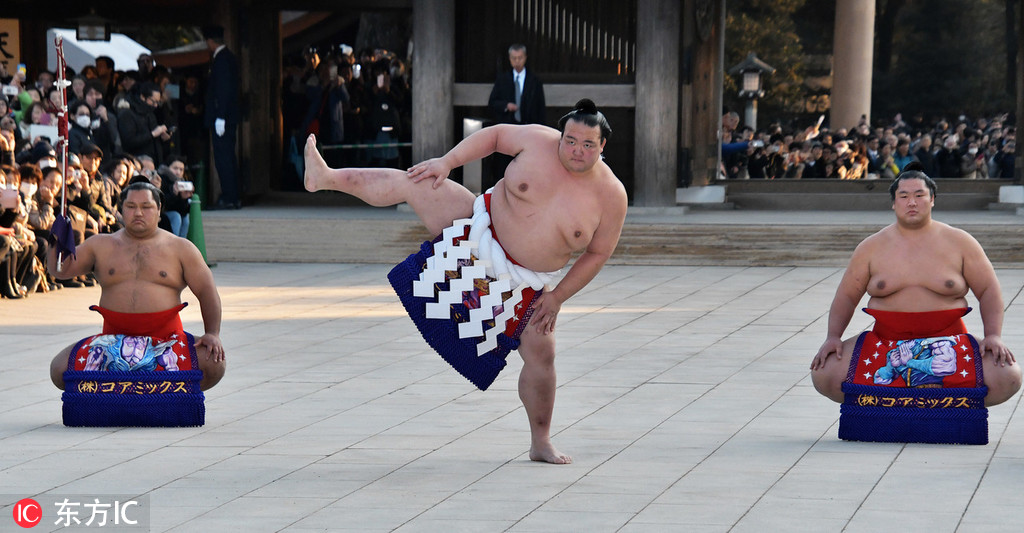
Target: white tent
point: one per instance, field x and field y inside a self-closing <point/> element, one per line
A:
<point x="77" y="54"/>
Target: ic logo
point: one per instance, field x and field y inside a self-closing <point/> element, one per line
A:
<point x="27" y="513"/>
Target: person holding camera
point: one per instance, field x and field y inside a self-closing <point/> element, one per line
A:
<point x="7" y="140"/>
<point x="104" y="127"/>
<point x="18" y="277"/>
<point x="5" y="105"/>
<point x="141" y="133"/>
<point x="1004" y="160"/>
<point x="177" y="191"/>
<point x="80" y="132"/>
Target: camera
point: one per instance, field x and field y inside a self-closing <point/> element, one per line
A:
<point x="757" y="144"/>
<point x="8" y="198"/>
<point x="10" y="90"/>
<point x="184" y="186"/>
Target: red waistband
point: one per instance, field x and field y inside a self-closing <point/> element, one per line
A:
<point x="900" y="325"/>
<point x="161" y="324"/>
<point x="487" y="205"/>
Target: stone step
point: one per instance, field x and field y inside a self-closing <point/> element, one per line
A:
<point x="344" y="235"/>
<point x="874" y="201"/>
<point x="854" y="195"/>
<point x="749" y="245"/>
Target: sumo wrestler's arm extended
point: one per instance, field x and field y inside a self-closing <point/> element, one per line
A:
<point x="851" y="289"/>
<point x="200" y="282"/>
<point x="82" y="262"/>
<point x="504" y="138"/>
<point x="982" y="280"/>
<point x="586" y="266"/>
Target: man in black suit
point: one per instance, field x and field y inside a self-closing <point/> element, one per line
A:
<point x="222" y="115"/>
<point x="516" y="98"/>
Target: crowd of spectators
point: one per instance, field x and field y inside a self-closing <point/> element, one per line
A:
<point x="964" y="148"/>
<point x="349" y="100"/>
<point x="125" y="126"/>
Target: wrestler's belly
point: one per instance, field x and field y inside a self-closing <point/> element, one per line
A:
<point x="139" y="297"/>
<point x="916" y="299"/>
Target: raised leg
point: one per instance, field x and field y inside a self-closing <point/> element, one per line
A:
<point x="59" y="365"/>
<point x="537" y="391"/>
<point x="380" y="187"/>
<point x="828" y="380"/>
<point x="1003" y="382"/>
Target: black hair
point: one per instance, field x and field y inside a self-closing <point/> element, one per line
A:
<point x="50" y="170"/>
<point x="147" y="88"/>
<point x="586" y="113"/>
<point x="93" y="85"/>
<point x="913" y="171"/>
<point x="214" y="33"/>
<point x="73" y="108"/>
<point x="143" y="185"/>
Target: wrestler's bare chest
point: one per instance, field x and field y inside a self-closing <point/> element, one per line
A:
<point x="928" y="269"/>
<point x="544" y="218"/>
<point x="120" y="263"/>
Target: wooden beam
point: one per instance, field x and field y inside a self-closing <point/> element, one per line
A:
<point x="555" y="95"/>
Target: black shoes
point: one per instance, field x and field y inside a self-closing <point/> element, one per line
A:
<point x="71" y="283"/>
<point x="11" y="290"/>
<point x="221" y="205"/>
<point x="32" y="282"/>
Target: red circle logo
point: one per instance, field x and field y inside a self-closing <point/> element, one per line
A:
<point x="27" y="513"/>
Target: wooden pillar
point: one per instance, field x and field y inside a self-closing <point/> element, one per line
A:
<point x="1018" y="157"/>
<point x="657" y="102"/>
<point x="852" y="62"/>
<point x="701" y="78"/>
<point x="260" y="135"/>
<point x="433" y="78"/>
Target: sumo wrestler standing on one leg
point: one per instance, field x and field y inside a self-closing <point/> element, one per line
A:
<point x="557" y="198"/>
<point x="142" y="271"/>
<point x="920" y="269"/>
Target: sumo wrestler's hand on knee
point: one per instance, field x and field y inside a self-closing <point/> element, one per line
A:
<point x="832" y="345"/>
<point x="435" y="168"/>
<point x="545" y="311"/>
<point x="994" y="344"/>
<point x="212" y="343"/>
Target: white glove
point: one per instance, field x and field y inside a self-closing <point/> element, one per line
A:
<point x="218" y="126"/>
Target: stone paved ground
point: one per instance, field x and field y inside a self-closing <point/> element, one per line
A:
<point x="684" y="397"/>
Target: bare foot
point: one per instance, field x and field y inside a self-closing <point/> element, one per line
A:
<point x="548" y="454"/>
<point x="315" y="165"/>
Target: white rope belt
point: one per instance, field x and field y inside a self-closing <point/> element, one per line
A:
<point x="487" y="262"/>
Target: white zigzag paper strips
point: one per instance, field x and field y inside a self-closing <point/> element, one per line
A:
<point x="488" y="262"/>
